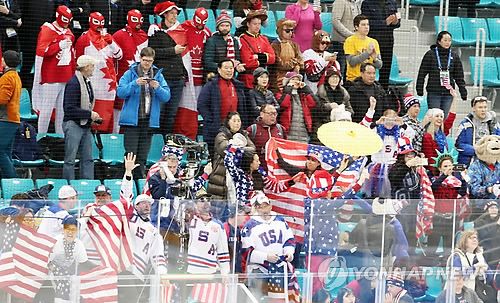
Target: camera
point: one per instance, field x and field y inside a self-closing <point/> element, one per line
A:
<point x="178" y="189"/>
<point x="98" y="121"/>
<point x="458" y="167"/>
<point x="390" y="121"/>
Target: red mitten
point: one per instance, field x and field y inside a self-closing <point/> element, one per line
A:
<point x="108" y="38"/>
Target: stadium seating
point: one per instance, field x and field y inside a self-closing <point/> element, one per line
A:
<point x="394" y="77"/>
<point x="279" y="15"/>
<point x="140" y="185"/>
<point x="326" y="19"/>
<point x="211" y="18"/>
<point x="424" y="107"/>
<point x="489" y="3"/>
<point x="347" y="226"/>
<point x="53" y="162"/>
<point x="424" y="2"/>
<point x="470" y="27"/>
<point x="57" y="183"/>
<point x="155" y="152"/>
<point x="14" y="186"/>
<point x="25" y="106"/>
<point x="115" y="186"/>
<point x="270" y="30"/>
<point x="113" y="149"/>
<point x="85" y="189"/>
<point x="455" y="29"/>
<point x="230" y="12"/>
<point x="491" y="74"/>
<point x="494" y="32"/>
<point x="434" y="282"/>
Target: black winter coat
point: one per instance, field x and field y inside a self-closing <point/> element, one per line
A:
<point x="429" y="66"/>
<point x="166" y="58"/>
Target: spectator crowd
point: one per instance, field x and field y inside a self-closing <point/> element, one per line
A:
<point x="272" y="191"/>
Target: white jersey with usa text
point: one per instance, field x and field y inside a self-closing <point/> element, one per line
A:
<point x="262" y="237"/>
<point x="147" y="246"/>
<point x="207" y="249"/>
<point x="389" y="151"/>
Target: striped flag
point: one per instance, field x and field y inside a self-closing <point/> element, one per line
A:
<point x="99" y="285"/>
<point x="462" y="201"/>
<point x="289" y="202"/>
<point x="425" y="208"/>
<point x="25" y="267"/>
<point x="276" y="275"/>
<point x="446" y="83"/>
<point x="109" y="230"/>
<point x="170" y="294"/>
<point x="209" y="292"/>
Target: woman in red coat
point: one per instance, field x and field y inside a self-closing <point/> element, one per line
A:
<point x="435" y="137"/>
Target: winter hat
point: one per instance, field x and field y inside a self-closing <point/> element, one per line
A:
<point x="223" y="17"/>
<point x="259" y="71"/>
<point x="332" y="70"/>
<point x="396" y="279"/>
<point x="316" y="155"/>
<point x="12" y="58"/>
<point x="404" y="146"/>
<point x="410" y="100"/>
<point x="67" y="191"/>
<point x="434" y="112"/>
<point x="289" y="76"/>
<point x="162" y="8"/>
<point x="490" y="204"/>
<point x="259" y="198"/>
<point x="102" y="189"/>
<point x="85" y="60"/>
<point x="143" y="198"/>
<point x="340" y="114"/>
<point x="70" y="220"/>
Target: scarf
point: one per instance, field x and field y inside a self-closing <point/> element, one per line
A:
<point x="261" y="90"/>
<point x="86" y="95"/>
<point x="452" y="181"/>
<point x="382" y="131"/>
<point x="440" y="139"/>
<point x="230" y="48"/>
<point x="400" y="295"/>
<point x="334" y="95"/>
<point x="146" y="93"/>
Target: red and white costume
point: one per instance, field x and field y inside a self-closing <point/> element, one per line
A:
<point x="314" y="64"/>
<point x="54" y="66"/>
<point x="187" y="111"/>
<point x="104" y="49"/>
<point x="131" y="41"/>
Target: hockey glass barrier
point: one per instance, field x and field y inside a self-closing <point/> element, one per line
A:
<point x="359" y="250"/>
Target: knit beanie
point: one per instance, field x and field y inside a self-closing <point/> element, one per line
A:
<point x="410" y="100"/>
<point x="223" y="17"/>
<point x="12" y="58"/>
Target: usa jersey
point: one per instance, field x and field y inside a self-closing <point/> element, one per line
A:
<point x="262" y="237"/>
<point x="389" y="151"/>
<point x="207" y="249"/>
<point x="147" y="246"/>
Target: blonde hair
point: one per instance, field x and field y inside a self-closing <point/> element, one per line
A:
<point x="431" y="129"/>
<point x="389" y="112"/>
<point x="462" y="243"/>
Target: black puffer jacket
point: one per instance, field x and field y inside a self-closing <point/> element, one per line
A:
<point x="429" y="66"/>
<point x="217" y="180"/>
<point x="360" y="99"/>
<point x="166" y="58"/>
<point x="256" y="99"/>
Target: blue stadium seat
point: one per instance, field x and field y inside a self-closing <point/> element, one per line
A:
<point x="95" y="149"/>
<point x="454" y="27"/>
<point x="490" y="76"/>
<point x="85" y="189"/>
<point x="270" y="30"/>
<point x="25" y="106"/>
<point x="57" y="183"/>
<point x="115" y="186"/>
<point x="423" y="107"/>
<point x="470" y="27"/>
<point x="451" y="145"/>
<point x="279" y="15"/>
<point x="424" y="2"/>
<point x="140" y="185"/>
<point x="394" y="77"/>
<point x="14" y="186"/>
<point x="489" y="3"/>
<point x="326" y="19"/>
<point x="494" y="30"/>
<point x="468" y="225"/>
<point x="498" y="66"/>
<point x="347" y="226"/>
<point x="113" y="149"/>
<point x="155" y="152"/>
<point x="434" y="282"/>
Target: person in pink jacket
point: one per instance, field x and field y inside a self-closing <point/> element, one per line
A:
<point x="308" y="21"/>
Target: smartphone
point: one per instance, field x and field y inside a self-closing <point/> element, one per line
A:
<point x="335" y="53"/>
<point x="458" y="167"/>
<point x="390" y="121"/>
<point x="423" y="162"/>
<point x="398" y="14"/>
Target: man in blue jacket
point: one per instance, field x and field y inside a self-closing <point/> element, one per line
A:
<point x="221" y="95"/>
<point x="476" y="125"/>
<point x="143" y="88"/>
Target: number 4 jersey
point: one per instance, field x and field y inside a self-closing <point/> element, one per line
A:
<point x="207" y="248"/>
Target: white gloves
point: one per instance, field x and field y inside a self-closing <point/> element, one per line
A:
<point x="64" y="44"/>
<point x="496" y="190"/>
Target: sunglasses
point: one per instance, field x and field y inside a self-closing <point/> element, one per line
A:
<point x="289" y="30"/>
<point x="325" y="43"/>
<point x="479" y="99"/>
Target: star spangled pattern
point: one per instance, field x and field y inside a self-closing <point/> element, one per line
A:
<point x="276" y="280"/>
<point x="425" y="208"/>
<point x="446" y="83"/>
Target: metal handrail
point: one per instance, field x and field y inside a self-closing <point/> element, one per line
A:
<point x="414" y="57"/>
<point x="476" y="64"/>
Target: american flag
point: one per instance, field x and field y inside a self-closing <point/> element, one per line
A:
<point x="25" y="267"/>
<point x="99" y="285"/>
<point x="109" y="230"/>
<point x="446" y="83"/>
<point x="170" y="294"/>
<point x="209" y="292"/>
<point x="290" y="202"/>
<point x="276" y="281"/>
<point x="425" y="208"/>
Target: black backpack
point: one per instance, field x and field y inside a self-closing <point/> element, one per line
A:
<point x="52" y="147"/>
<point x="26" y="147"/>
